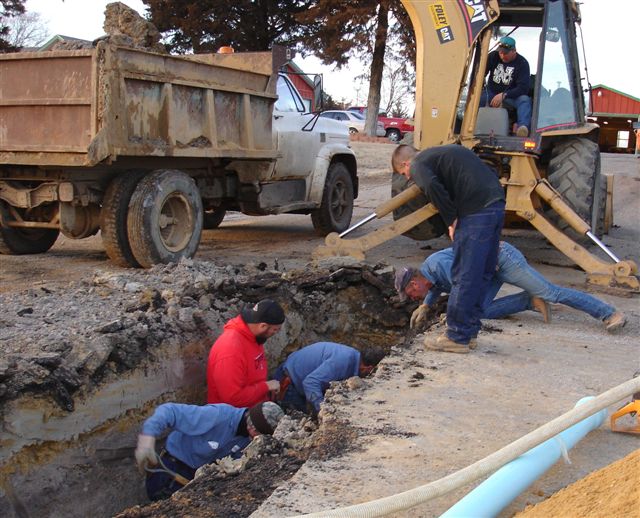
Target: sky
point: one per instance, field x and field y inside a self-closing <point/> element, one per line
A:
<point x="609" y="28"/>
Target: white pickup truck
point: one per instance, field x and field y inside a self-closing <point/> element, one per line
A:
<point x="150" y="149"/>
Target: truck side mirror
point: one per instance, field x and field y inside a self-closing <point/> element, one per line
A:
<point x="318" y="101"/>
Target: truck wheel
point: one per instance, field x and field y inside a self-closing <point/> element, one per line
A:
<point x="165" y="218"/>
<point x="429" y="229"/>
<point x="21" y="241"/>
<point x="213" y="218"/>
<point x="334" y="213"/>
<point x="574" y="171"/>
<point x="113" y="218"/>
<point x="394" y="135"/>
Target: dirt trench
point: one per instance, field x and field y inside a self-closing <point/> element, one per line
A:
<point x="67" y="446"/>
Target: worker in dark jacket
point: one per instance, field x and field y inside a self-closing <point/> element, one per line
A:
<point x="200" y="435"/>
<point x="306" y="374"/>
<point x="471" y="201"/>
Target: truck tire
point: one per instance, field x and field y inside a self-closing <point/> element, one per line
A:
<point x="113" y="218"/>
<point x="212" y="218"/>
<point x="21" y="241"/>
<point x="574" y="171"/>
<point x="394" y="135"/>
<point x="336" y="209"/>
<point x="165" y="218"/>
<point x="429" y="229"/>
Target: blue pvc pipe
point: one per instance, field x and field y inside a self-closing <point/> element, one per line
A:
<point x="501" y="488"/>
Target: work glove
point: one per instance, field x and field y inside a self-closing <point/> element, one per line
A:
<point x="418" y="316"/>
<point x="146" y="452"/>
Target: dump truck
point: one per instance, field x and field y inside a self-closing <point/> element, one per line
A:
<point x="552" y="177"/>
<point x="149" y="148"/>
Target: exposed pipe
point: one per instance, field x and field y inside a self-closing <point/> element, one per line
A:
<point x="501" y="488"/>
<point x="491" y="463"/>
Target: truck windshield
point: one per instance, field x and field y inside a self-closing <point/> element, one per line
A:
<point x="556" y="98"/>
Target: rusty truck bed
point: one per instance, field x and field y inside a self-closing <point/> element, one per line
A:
<point x="84" y="107"/>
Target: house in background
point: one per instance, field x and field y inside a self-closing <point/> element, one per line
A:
<point x="615" y="112"/>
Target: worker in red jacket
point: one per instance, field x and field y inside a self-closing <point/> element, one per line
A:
<point x="237" y="366"/>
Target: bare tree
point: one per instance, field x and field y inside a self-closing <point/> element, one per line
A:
<point x="26" y="30"/>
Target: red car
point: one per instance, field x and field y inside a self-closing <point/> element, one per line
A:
<point x="394" y="127"/>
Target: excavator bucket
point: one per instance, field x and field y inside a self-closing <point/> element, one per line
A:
<point x="633" y="411"/>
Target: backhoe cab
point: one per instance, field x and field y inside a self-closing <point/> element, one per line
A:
<point x="552" y="177"/>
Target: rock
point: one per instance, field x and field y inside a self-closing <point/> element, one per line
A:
<point x="354" y="383"/>
<point x="91" y="355"/>
<point x="111" y="327"/>
<point x="126" y="26"/>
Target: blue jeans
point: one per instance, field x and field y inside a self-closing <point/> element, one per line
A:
<point x="515" y="270"/>
<point x="521" y="104"/>
<point x="475" y="254"/>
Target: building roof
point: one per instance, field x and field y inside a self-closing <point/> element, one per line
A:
<point x="60" y="37"/>
<point x="616" y="91"/>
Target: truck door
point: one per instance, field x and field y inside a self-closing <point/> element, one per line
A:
<point x="299" y="148"/>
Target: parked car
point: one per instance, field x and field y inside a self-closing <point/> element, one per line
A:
<point x="353" y="120"/>
<point x="394" y="127"/>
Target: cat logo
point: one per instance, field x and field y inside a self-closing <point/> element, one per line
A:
<point x="441" y="23"/>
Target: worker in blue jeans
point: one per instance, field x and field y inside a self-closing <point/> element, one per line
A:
<point x="470" y="199"/>
<point x="434" y="278"/>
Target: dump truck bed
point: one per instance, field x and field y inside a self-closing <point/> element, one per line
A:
<point x="84" y="107"/>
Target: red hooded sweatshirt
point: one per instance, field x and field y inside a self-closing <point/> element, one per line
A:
<point x="237" y="367"/>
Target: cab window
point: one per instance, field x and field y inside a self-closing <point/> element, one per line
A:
<point x="288" y="98"/>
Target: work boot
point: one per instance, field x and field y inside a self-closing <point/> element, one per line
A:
<point x="473" y="343"/>
<point x="444" y="343"/>
<point x="523" y="131"/>
<point x="541" y="306"/>
<point x="615" y="322"/>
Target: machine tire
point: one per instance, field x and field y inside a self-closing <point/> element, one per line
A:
<point x="574" y="171"/>
<point x="22" y="241"/>
<point x="429" y="229"/>
<point x="212" y="218"/>
<point x="394" y="135"/>
<point x="336" y="209"/>
<point x="113" y="218"/>
<point x="165" y="218"/>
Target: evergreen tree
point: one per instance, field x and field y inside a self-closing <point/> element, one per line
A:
<point x="8" y="9"/>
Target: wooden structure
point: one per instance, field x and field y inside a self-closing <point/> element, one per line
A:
<point x="615" y="112"/>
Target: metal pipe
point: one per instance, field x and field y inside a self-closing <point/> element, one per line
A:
<point x="359" y="224"/>
<point x="604" y="248"/>
<point x="499" y="490"/>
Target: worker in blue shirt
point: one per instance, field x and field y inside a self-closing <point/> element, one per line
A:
<point x="200" y="435"/>
<point x="434" y="278"/>
<point x="306" y="374"/>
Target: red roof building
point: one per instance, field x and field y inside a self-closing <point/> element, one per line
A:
<point x="615" y="112"/>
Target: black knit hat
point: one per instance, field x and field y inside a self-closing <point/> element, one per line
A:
<point x="265" y="417"/>
<point x="266" y="311"/>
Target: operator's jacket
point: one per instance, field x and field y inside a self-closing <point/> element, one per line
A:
<point x="437" y="269"/>
<point x="315" y="366"/>
<point x="237" y="367"/>
<point x="200" y="434"/>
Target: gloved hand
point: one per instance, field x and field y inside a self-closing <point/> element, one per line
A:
<point x="418" y="315"/>
<point x="146" y="452"/>
<point x="274" y="386"/>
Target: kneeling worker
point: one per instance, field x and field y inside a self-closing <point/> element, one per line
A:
<point x="306" y="374"/>
<point x="200" y="435"/>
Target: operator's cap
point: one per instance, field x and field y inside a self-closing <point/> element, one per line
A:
<point x="507" y="43"/>
<point x="266" y="311"/>
<point x="403" y="276"/>
<point x="265" y="417"/>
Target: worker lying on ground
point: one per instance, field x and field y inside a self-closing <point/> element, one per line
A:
<point x="237" y="366"/>
<point x="306" y="374"/>
<point x="434" y="278"/>
<point x="200" y="435"/>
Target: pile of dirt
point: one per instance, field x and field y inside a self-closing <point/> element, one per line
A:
<point x="611" y="491"/>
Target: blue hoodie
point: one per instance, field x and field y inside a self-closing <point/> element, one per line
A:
<point x="201" y="434"/>
<point x="313" y="367"/>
